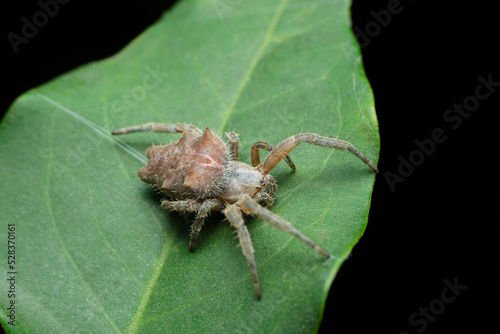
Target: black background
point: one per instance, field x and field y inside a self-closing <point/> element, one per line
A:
<point x="440" y="224"/>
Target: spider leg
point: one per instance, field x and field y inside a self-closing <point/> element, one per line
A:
<point x="180" y="206"/>
<point x="202" y="209"/>
<point x="249" y="206"/>
<point x="233" y="214"/>
<point x="234" y="146"/>
<point x="265" y="146"/>
<point x="158" y="127"/>
<point x="287" y="145"/>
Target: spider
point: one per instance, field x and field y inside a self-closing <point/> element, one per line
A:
<point x="199" y="173"/>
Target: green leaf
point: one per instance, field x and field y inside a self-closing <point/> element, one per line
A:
<point x="95" y="253"/>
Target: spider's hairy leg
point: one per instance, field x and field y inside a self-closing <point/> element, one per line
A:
<point x="255" y="156"/>
<point x="249" y="206"/>
<point x="203" y="211"/>
<point x="202" y="208"/>
<point x="234" y="146"/>
<point x="233" y="214"/>
<point x="180" y="206"/>
<point x="286" y="146"/>
<point x="158" y="127"/>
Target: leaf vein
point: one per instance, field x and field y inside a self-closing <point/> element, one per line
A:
<point x="246" y="78"/>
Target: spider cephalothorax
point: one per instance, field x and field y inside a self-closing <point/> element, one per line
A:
<point x="199" y="173"/>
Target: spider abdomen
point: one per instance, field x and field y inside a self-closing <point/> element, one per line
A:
<point x="193" y="166"/>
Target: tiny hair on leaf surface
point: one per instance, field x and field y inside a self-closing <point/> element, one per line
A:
<point x="115" y="260"/>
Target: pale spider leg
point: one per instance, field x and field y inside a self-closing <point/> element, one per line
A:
<point x="255" y="156"/>
<point x="234" y="146"/>
<point x="249" y="206"/>
<point x="158" y="127"/>
<point x="203" y="211"/>
<point x="202" y="208"/>
<point x="233" y="214"/>
<point x="180" y="206"/>
<point x="287" y="145"/>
